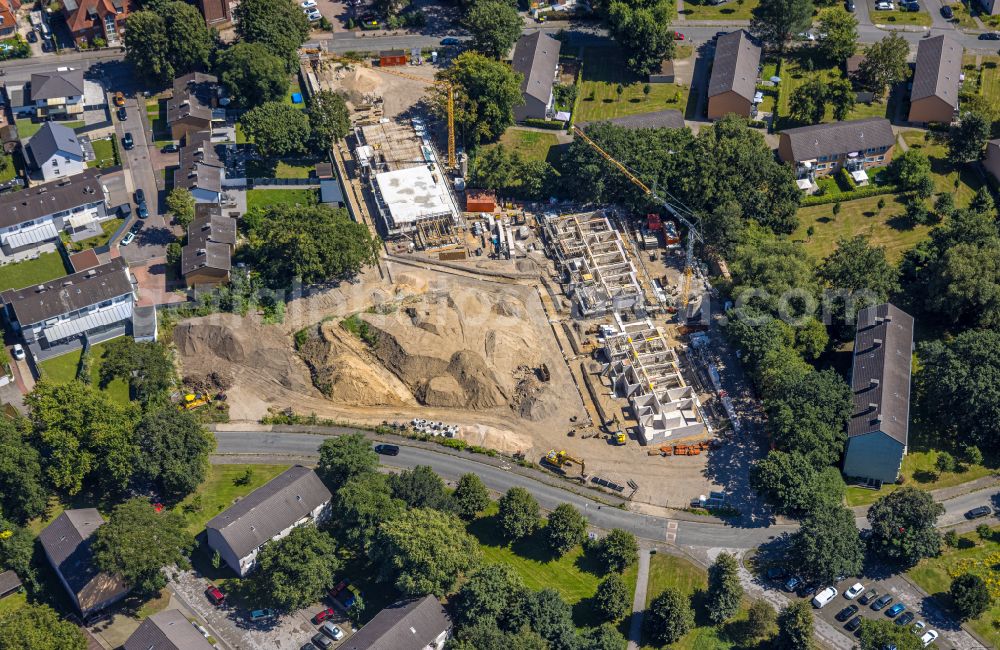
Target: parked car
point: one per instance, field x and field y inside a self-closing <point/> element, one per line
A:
<point x="847" y="613"/>
<point x="308" y="4"/>
<point x="314" y="15"/>
<point x="136" y="227"/>
<point x="793" y="583"/>
<point x="32" y="37"/>
<point x="322" y="641"/>
<point x="910" y="6"/>
<point x="308" y="646"/>
<point x="139" y="195"/>
<point x="128" y="239"/>
<point x="918" y="627"/>
<point x="213" y="594"/>
<point x="337" y="588"/>
<point x="895" y="610"/>
<point x="119" y="99"/>
<point x="18" y="351"/>
<point x="869" y="597"/>
<point x="323" y="615"/>
<point x="122" y="114"/>
<point x="127" y="141"/>
<point x="142" y="211"/>
<point x="853" y="592"/>
<point x="332" y="631"/>
<point x="981" y="511"/>
<point x="823" y="598"/>
<point x="884" y="6"/>
<point x="990" y="36"/>
<point x="905" y="619"/>
<point x="849" y="5"/>
<point x="262" y="615"/>
<point x="947" y="12"/>
<point x="47" y="45"/>
<point x="853" y="624"/>
<point x="882" y="602"/>
<point x="451" y="40"/>
<point x="678" y="36"/>
<point x="170" y="148"/>
<point x="388" y="450"/>
<point x="929" y="638"/>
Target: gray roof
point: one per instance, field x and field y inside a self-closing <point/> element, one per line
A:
<point x="880" y="378"/>
<point x="17" y="94"/>
<point x="270" y="509"/>
<point x="406" y="625"/>
<point x="69" y="293"/>
<point x="536" y="56"/>
<point x="193" y="96"/>
<point x="811" y="142"/>
<point x="205" y="255"/>
<point x="330" y="192"/>
<point x="9" y="582"/>
<point x="167" y="630"/>
<point x="219" y="229"/>
<point x="67" y="543"/>
<point x="49" y="198"/>
<point x="143" y="321"/>
<point x="54" y="138"/>
<point x="938" y="68"/>
<point x="59" y="83"/>
<point x="737" y="60"/>
<point x="199" y="165"/>
<point x="666" y="119"/>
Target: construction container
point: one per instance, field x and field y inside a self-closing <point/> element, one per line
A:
<point x="391" y="57"/>
<point x="480" y="201"/>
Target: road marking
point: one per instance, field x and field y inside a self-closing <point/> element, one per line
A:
<point x="671" y="525"/>
<point x="671" y="531"/>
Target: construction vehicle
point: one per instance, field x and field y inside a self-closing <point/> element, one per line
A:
<point x="560" y="460"/>
<point x="195" y="400"/>
<point x="676" y="210"/>
<point x="620" y="438"/>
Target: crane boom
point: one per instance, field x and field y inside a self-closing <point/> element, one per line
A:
<point x="674" y="210"/>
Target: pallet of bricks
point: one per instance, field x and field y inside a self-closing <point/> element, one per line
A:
<point x="680" y="450"/>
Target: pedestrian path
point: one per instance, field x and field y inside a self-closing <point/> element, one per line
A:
<point x="639" y="602"/>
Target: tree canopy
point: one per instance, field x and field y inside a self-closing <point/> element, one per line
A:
<point x="173" y="451"/>
<point x="251" y="74"/>
<point x="180" y="203"/>
<point x="362" y="503"/>
<point x="278" y="129"/>
<point x="613" y="600"/>
<point x="792" y="484"/>
<point x="38" y="627"/>
<point x="296" y="570"/>
<point x="970" y="596"/>
<point x="795" y="627"/>
<point x="23" y="494"/>
<point x="903" y="526"/>
<point x="839" y="31"/>
<point x="566" y="528"/>
<point x="518" y="514"/>
<point x="827" y="544"/>
<point x="329" y="120"/>
<point x="419" y="487"/>
<point x="279" y="25"/>
<point x="147" y="368"/>
<point x="669" y="617"/>
<point x="495" y="26"/>
<point x="345" y="457"/>
<point x="878" y="635"/>
<point x="470" y="496"/>
<point x="617" y="550"/>
<point x="884" y="64"/>
<point x="485" y="93"/>
<point x="643" y="29"/>
<point x="776" y="21"/>
<point x="167" y="40"/>
<point x="725" y="593"/>
<point x="967" y="142"/>
<point x="494" y="594"/>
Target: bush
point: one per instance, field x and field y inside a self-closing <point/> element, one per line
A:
<point x="554" y="125"/>
<point x="861" y="193"/>
<point x="984" y="531"/>
<point x="951" y="538"/>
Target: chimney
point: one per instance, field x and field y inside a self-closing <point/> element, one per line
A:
<point x="876" y="343"/>
<point x="874" y="383"/>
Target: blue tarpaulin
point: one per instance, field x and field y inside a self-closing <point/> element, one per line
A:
<point x="296" y="98"/>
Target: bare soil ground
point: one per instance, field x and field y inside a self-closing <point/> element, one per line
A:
<point x="356" y="82"/>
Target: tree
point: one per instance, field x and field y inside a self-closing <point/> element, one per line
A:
<point x="17" y="547"/>
<point x="147" y="368"/>
<point x="795" y="624"/>
<point x="967" y="142"/>
<point x="251" y="74"/>
<point x="669" y="617"/>
<point x="605" y="637"/>
<point x="612" y="599"/>
<point x="903" y="526"/>
<point x="518" y="514"/>
<point x="495" y="26"/>
<point x="725" y="593"/>
<point x="423" y="551"/>
<point x="862" y="271"/>
<point x="494" y="594"/>
<point x="945" y="462"/>
<point x="278" y="129"/>
<point x="147" y="47"/>
<point x="296" y="570"/>
<point x="470" y="496"/>
<point x="983" y="203"/>
<point x="419" y="487"/>
<point x="487" y="636"/>
<point x="362" y="503"/>
<point x="191" y="42"/>
<point x="167" y="40"/>
<point x="643" y="30"/>
<point x="793" y="485"/>
<point x="827" y="545"/>
<point x="565" y="529"/>
<point x="775" y="21"/>
<point x="315" y="243"/>
<point x="970" y="596"/>
<point x="909" y="169"/>
<point x="809" y="413"/>
<point x="760" y="619"/>
<point x="173" y="451"/>
<point x="389" y="8"/>
<point x="884" y="64"/>
<point x="552" y="618"/>
<point x="971" y="455"/>
<point x="840" y="34"/>
<point x="23" y="495"/>
<point x="38" y="627"/>
<point x="485" y="94"/>
<point x="618" y="550"/>
<point x="137" y="542"/>
<point x="329" y="120"/>
<point x="180" y="203"/>
<point x="279" y="25"/>
<point x="840" y="94"/>
<point x="878" y="635"/>
<point x="344" y="457"/>
<point x="808" y="102"/>
<point x="494" y="168"/>
<point x="83" y="436"/>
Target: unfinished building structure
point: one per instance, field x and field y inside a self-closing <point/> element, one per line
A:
<point x="412" y="193"/>
<point x="592" y="256"/>
<point x="644" y="369"/>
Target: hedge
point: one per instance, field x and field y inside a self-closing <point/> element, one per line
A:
<point x="863" y="193"/>
<point x="555" y="125"/>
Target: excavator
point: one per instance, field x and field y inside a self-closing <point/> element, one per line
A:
<point x="560" y="459"/>
<point x="195" y="400"/>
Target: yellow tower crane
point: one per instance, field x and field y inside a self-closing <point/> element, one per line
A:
<point x="676" y="211"/>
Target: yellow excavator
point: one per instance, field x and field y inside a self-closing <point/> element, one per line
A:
<point x="195" y="400"/>
<point x="560" y="459"/>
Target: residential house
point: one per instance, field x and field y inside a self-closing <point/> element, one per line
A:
<point x="822" y="149"/>
<point x="294" y="498"/>
<point x="8" y="18"/>
<point x="990" y="7"/>
<point x="92" y="19"/>
<point x="991" y="162"/>
<point x="200" y="170"/>
<point x="67" y="544"/>
<point x="206" y="259"/>
<point x="733" y="83"/>
<point x="936" y="80"/>
<point x="167" y="630"/>
<point x="94" y="302"/>
<point x="417" y="624"/>
<point x="9" y="584"/>
<point x="880" y="384"/>
<point x="37" y="214"/>
<point x="217" y="13"/>
<point x="536" y="57"/>
<point x="57" y="95"/>
<point x="189" y="109"/>
<point x="56" y="152"/>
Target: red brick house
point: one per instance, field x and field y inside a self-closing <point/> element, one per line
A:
<point x="90" y="19"/>
<point x="8" y="19"/>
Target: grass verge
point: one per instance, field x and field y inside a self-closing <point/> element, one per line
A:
<point x="62" y="369"/>
<point x="918" y="469"/>
<point x="736" y="10"/>
<point x="221" y="488"/>
<point x="603" y="70"/>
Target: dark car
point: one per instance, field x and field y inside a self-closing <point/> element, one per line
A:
<point x="170" y="148"/>
<point x="308" y="646"/>
<point x="905" y="619"/>
<point x="127" y="141"/>
<point x="32" y="37"/>
<point x="142" y="211"/>
<point x="136" y="227"/>
<point x="868" y="597"/>
<point x="847" y="613"/>
<point x="263" y="615"/>
<point x="388" y="450"/>
<point x="853" y="624"/>
<point x="990" y="36"/>
<point x="139" y="196"/>
<point x="47" y="46"/>
<point x="215" y="596"/>
<point x="451" y="40"/>
<point x="882" y="602"/>
<point x="321" y="640"/>
<point x="122" y="114"/>
<point x="912" y="6"/>
<point x="849" y="5"/>
<point x="981" y="511"/>
<point x="895" y="610"/>
<point x="947" y="12"/>
<point x="793" y="583"/>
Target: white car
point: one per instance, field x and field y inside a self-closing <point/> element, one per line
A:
<point x="918" y="627"/>
<point x="127" y="239"/>
<point x="18" y="351"/>
<point x="929" y="638"/>
<point x="308" y="4"/>
<point x="884" y="6"/>
<point x="851" y="593"/>
<point x="314" y="15"/>
<point x="824" y="597"/>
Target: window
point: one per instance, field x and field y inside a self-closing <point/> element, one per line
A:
<point x="823" y="166"/>
<point x="106" y="303"/>
<point x="881" y="158"/>
<point x="823" y="158"/>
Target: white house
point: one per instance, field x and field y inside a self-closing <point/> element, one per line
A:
<point x="58" y="94"/>
<point x="56" y="152"/>
<point x="293" y="498"/>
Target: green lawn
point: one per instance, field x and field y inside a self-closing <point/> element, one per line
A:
<point x="26" y="127"/>
<point x="989" y="77"/>
<point x="108" y="228"/>
<point x="293" y="87"/>
<point x="241" y="137"/>
<point x="8" y="167"/>
<point x="918" y="469"/>
<point x="899" y="17"/>
<point x="13" y="603"/>
<point x="62" y="369"/>
<point x="794" y="73"/>
<point x="290" y="168"/>
<point x="734" y="10"/>
<point x="156" y="111"/>
<point x="532" y="145"/>
<point x="671" y="571"/>
<point x="104" y="153"/>
<point x="263" y="198"/>
<point x="973" y="555"/>
<point x="48" y="266"/>
<point x="603" y="69"/>
<point x="219" y="491"/>
<point x="962" y="183"/>
<point x="962" y="16"/>
<point x="888" y="227"/>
